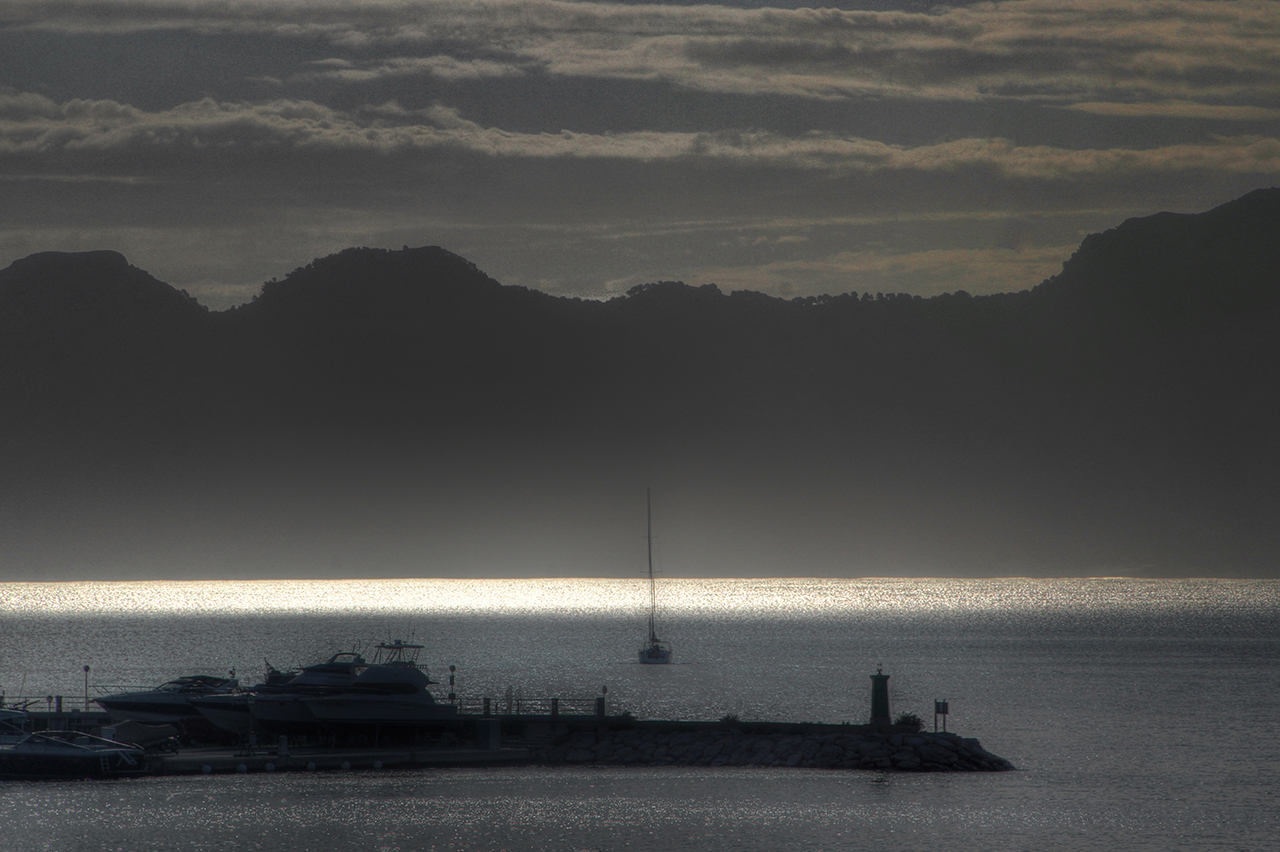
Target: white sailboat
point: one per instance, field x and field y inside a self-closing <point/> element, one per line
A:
<point x="655" y="651"/>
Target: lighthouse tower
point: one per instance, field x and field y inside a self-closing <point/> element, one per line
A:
<point x="880" y="697"/>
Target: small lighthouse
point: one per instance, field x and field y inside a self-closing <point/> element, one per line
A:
<point x="880" y="697"/>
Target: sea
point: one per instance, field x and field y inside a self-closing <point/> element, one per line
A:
<point x="1140" y="714"/>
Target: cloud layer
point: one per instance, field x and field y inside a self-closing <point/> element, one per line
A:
<point x="577" y="145"/>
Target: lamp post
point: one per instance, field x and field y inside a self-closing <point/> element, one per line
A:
<point x="86" y="689"/>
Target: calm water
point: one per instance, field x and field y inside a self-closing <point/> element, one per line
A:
<point x="1141" y="714"/>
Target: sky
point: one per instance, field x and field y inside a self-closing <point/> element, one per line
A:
<point x="581" y="148"/>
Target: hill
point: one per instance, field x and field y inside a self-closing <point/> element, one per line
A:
<point x="401" y="413"/>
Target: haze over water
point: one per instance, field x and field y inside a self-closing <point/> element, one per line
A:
<point x="1139" y="713"/>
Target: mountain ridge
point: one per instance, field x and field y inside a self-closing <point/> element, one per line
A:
<point x="1115" y="417"/>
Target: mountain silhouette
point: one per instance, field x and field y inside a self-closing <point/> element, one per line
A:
<point x="402" y="413"/>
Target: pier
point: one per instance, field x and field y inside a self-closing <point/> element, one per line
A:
<point x="557" y="731"/>
<point x="582" y="740"/>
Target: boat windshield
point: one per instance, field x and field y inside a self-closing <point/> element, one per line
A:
<point x="193" y="683"/>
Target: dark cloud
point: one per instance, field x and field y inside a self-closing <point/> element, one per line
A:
<point x="577" y="146"/>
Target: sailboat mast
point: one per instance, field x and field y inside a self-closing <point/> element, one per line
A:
<point x="648" y="537"/>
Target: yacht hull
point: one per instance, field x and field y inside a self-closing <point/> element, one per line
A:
<point x="282" y="714"/>
<point x="655" y="655"/>
<point x="228" y="712"/>
<point x="378" y="710"/>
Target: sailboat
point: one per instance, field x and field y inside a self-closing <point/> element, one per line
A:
<point x="655" y="650"/>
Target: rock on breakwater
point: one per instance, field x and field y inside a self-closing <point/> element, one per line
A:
<point x="916" y="752"/>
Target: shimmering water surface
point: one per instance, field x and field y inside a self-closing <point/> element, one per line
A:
<point x="1141" y="714"/>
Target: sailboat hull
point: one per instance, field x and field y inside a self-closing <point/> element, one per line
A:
<point x="655" y="655"/>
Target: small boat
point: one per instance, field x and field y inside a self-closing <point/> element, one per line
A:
<point x="169" y="703"/>
<point x="655" y="651"/>
<point x="392" y="690"/>
<point x="63" y="754"/>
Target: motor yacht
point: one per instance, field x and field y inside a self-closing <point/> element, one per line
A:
<point x="283" y="711"/>
<point x="229" y="711"/>
<point x="392" y="690"/>
<point x="169" y="703"/>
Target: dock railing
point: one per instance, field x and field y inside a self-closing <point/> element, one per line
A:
<point x="49" y="703"/>
<point x="467" y="706"/>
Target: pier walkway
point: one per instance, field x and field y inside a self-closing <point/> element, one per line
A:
<point x="212" y="759"/>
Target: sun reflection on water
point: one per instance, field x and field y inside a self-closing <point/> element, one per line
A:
<point x="793" y="597"/>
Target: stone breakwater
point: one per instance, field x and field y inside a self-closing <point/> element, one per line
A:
<point x="915" y="752"/>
